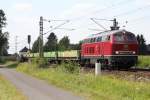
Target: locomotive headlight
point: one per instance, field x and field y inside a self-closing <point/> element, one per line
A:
<point x="117" y="52"/>
<point x="133" y="52"/>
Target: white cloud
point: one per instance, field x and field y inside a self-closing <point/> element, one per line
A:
<point x="23" y="7"/>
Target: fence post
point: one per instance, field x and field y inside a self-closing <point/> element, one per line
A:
<point x="97" y="68"/>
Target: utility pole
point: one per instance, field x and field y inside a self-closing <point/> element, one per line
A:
<point x="41" y="38"/>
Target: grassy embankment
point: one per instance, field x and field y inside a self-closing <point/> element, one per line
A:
<point x="89" y="86"/>
<point x="144" y="61"/>
<point x="8" y="91"/>
<point x="9" y="64"/>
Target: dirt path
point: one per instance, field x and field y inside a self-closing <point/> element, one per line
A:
<point x="36" y="89"/>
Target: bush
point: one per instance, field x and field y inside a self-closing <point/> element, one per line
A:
<point x="2" y="60"/>
<point x="69" y="67"/>
<point x="41" y="62"/>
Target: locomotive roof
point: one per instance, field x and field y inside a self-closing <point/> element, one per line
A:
<point x="106" y="33"/>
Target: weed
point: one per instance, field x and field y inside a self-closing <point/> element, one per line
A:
<point x="41" y="62"/>
<point x="69" y="67"/>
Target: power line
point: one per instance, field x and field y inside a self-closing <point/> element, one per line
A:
<point x="92" y="29"/>
<point x="132" y="11"/>
<point x="41" y="32"/>
<point x="69" y="29"/>
<point x="67" y="21"/>
<point x="98" y="24"/>
<point x="124" y="2"/>
<point x="138" y="19"/>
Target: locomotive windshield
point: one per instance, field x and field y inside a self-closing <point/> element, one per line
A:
<point x="130" y="37"/>
<point x="119" y="37"/>
<point x="126" y="36"/>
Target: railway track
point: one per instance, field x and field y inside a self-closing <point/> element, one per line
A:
<point x="135" y="69"/>
<point x="132" y="74"/>
<point x="140" y="69"/>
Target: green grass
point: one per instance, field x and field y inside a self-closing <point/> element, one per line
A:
<point x="144" y="61"/>
<point x="89" y="86"/>
<point x="8" y="91"/>
<point x="10" y="64"/>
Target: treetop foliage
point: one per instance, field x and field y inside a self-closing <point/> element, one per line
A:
<point x="3" y="36"/>
<point x="52" y="44"/>
<point x="142" y="44"/>
<point x="35" y="47"/>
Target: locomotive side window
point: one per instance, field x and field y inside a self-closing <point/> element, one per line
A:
<point x="91" y="40"/>
<point x="94" y="39"/>
<point x="84" y="41"/>
<point x="99" y="39"/>
<point x="87" y="41"/>
<point x="118" y="37"/>
<point x="106" y="38"/>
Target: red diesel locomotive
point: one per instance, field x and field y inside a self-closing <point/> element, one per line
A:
<point x="113" y="48"/>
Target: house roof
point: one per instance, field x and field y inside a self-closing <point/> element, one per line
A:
<point x="25" y="49"/>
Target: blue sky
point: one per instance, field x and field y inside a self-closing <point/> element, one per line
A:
<point x="23" y="17"/>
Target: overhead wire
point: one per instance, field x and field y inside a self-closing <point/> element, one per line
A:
<point x="132" y="11"/>
<point x="123" y="2"/>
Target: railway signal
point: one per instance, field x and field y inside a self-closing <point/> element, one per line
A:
<point x="29" y="40"/>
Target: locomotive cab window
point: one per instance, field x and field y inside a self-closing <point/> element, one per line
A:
<point x="130" y="37"/>
<point x="119" y="37"/>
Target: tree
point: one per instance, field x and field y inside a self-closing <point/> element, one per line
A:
<point x="2" y="20"/>
<point x="76" y="46"/>
<point x="51" y="44"/>
<point x="3" y="36"/>
<point x="142" y="44"/>
<point x="35" y="47"/>
<point x="4" y="44"/>
<point x="64" y="43"/>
